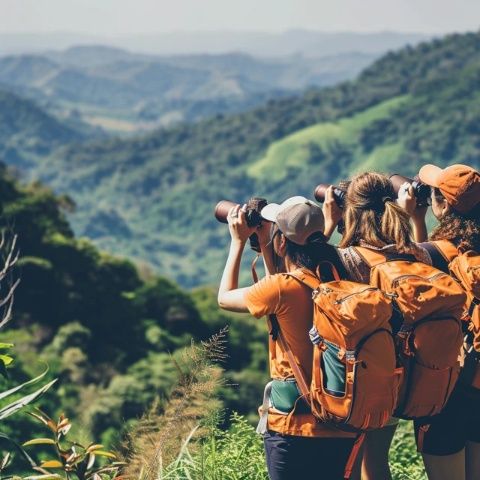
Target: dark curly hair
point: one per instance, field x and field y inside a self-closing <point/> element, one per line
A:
<point x="463" y="230"/>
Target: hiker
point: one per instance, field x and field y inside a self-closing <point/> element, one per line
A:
<point x="296" y="443"/>
<point x="451" y="445"/>
<point x="372" y="219"/>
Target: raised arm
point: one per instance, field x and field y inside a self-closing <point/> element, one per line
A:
<point x="230" y="297"/>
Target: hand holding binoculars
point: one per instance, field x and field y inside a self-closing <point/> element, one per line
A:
<point x="254" y="219"/>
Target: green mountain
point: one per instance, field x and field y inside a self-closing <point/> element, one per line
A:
<point x="28" y="133"/>
<point x="123" y="91"/>
<point x="152" y="197"/>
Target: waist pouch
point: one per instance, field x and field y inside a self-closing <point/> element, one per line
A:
<point x="284" y="394"/>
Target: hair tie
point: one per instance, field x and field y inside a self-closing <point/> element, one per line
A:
<point x="387" y="199"/>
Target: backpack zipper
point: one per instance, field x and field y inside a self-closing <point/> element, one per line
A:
<point x="341" y="300"/>
<point x="428" y="279"/>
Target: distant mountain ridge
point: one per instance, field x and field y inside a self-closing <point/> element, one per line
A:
<point x="290" y="42"/>
<point x="105" y="85"/>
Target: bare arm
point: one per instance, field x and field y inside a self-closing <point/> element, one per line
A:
<point x="332" y="212"/>
<point x="230" y="297"/>
<point x="406" y="199"/>
<point x="266" y="247"/>
<point x="420" y="233"/>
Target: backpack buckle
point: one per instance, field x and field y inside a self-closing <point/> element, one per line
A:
<point x="315" y="337"/>
<point x="350" y="357"/>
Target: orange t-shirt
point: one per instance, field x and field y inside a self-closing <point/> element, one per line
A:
<point x="291" y="302"/>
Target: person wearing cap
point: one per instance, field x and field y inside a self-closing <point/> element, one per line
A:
<point x="296" y="444"/>
<point x="451" y="445"/>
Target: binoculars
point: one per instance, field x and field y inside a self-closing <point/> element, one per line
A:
<point x="254" y="219"/>
<point x="338" y="194"/>
<point x="421" y="191"/>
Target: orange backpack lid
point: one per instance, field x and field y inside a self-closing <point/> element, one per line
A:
<point x="446" y="248"/>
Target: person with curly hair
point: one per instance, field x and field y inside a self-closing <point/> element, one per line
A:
<point x="451" y="445"/>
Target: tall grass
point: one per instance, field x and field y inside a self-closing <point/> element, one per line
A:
<point x="168" y="427"/>
<point x="182" y="440"/>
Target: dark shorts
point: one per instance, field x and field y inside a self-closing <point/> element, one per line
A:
<point x="458" y="424"/>
<point x="295" y="458"/>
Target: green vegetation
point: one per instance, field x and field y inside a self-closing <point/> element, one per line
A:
<point x="295" y="150"/>
<point x="237" y="454"/>
<point x="113" y="334"/>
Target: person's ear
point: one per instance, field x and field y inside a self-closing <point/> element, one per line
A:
<point x="282" y="246"/>
<point x="445" y="208"/>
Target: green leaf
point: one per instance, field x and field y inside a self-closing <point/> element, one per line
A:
<point x="103" y="453"/>
<point x="6" y="393"/>
<point x="23" y="453"/>
<point x="13" y="407"/>
<point x="6" y="359"/>
<point x="51" y="464"/>
<point x="39" y="441"/>
<point x="6" y="345"/>
<point x="50" y="476"/>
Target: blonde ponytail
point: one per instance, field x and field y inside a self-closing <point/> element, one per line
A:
<point x="372" y="216"/>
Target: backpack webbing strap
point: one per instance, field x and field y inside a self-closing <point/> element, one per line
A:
<point x="285" y="347"/>
<point x="421" y="437"/>
<point x="307" y="279"/>
<point x="439" y="260"/>
<point x="277" y="335"/>
<point x="448" y="250"/>
<point x="374" y="257"/>
<point x="353" y="455"/>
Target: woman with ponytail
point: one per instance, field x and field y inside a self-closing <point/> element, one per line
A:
<point x="373" y="220"/>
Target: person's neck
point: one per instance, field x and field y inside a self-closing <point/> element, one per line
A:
<point x="290" y="266"/>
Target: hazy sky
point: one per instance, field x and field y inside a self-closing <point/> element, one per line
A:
<point x="109" y="17"/>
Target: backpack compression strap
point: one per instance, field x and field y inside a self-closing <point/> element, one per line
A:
<point x="374" y="257"/>
<point x="277" y="335"/>
<point x="285" y="347"/>
<point x="441" y="252"/>
<point x="311" y="281"/>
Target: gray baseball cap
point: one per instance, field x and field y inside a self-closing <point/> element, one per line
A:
<point x="297" y="218"/>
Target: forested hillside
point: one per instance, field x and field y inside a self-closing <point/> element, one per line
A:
<point x="152" y="197"/>
<point x="109" y="330"/>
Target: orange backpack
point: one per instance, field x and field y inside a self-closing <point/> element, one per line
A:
<point x="354" y="377"/>
<point x="429" y="305"/>
<point x="465" y="267"/>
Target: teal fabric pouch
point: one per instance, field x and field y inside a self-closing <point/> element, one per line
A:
<point x="283" y="395"/>
<point x="333" y="371"/>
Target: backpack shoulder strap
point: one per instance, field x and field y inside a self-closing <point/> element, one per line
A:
<point x="441" y="252"/>
<point x="311" y="280"/>
<point x="374" y="257"/>
<point x="446" y="248"/>
<point x="305" y="277"/>
<point x="285" y="347"/>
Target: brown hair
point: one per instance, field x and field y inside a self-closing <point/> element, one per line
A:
<point x="372" y="215"/>
<point x="463" y="230"/>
